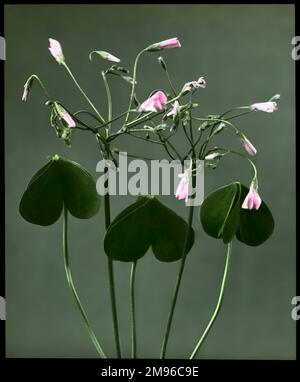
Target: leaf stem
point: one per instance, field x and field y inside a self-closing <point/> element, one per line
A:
<point x="132" y="306"/>
<point x="218" y="306"/>
<point x="112" y="282"/>
<point x="72" y="287"/>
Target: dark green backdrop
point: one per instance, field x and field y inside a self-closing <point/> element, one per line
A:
<point x="244" y="53"/>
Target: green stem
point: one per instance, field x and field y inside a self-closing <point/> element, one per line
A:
<point x="218" y="306"/>
<point x="109" y="102"/>
<point x="133" y="83"/>
<point x="112" y="282"/>
<point x="42" y="86"/>
<point x="179" y="277"/>
<point x="83" y="93"/>
<point x="132" y="304"/>
<point x="72" y="287"/>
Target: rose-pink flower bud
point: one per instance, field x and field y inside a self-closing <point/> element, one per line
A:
<point x="56" y="50"/>
<point x="267" y="107"/>
<point x="157" y="102"/>
<point x="252" y="200"/>
<point x="166" y="44"/>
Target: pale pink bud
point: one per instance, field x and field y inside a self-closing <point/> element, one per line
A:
<point x="156" y="102"/>
<point x="212" y="156"/>
<point x="56" y="50"/>
<point x="25" y="94"/>
<point x="170" y="43"/>
<point x="112" y="58"/>
<point x="252" y="200"/>
<point x="267" y="107"/>
<point x="166" y="44"/>
<point x="251" y="150"/>
<point x="66" y="116"/>
<point x="182" y="191"/>
<point x="105" y="55"/>
<point x="174" y="111"/>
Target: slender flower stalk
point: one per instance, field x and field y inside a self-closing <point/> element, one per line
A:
<point x="218" y="306"/>
<point x="180" y="273"/>
<point x="101" y="119"/>
<point x="72" y="287"/>
<point x="132" y="305"/>
<point x="133" y="84"/>
<point x="109" y="102"/>
<point x="112" y="281"/>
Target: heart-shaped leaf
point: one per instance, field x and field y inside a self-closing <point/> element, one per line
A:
<point x="147" y="223"/>
<point x="59" y="182"/>
<point x="222" y="216"/>
<point x="219" y="212"/>
<point x="129" y="236"/>
<point x="168" y="233"/>
<point x="255" y="226"/>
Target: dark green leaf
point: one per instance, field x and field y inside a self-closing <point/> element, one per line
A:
<point x="59" y="181"/>
<point x="255" y="226"/>
<point x="169" y="233"/>
<point x="147" y="223"/>
<point x="129" y="235"/>
<point x="216" y="210"/>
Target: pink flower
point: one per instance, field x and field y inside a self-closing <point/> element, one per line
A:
<point x="252" y="200"/>
<point x="267" y="107"/>
<point x="251" y="150"/>
<point x="56" y="50"/>
<point x="170" y="43"/>
<point x="156" y="102"/>
<point x="25" y="94"/>
<point x="182" y="191"/>
<point x="174" y="111"/>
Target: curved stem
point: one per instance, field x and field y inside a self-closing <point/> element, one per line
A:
<point x="83" y="93"/>
<point x="43" y="87"/>
<point x="112" y="282"/>
<point x="179" y="277"/>
<point x="132" y="305"/>
<point x="133" y="83"/>
<point x="218" y="306"/>
<point x="109" y="102"/>
<point x="72" y="287"/>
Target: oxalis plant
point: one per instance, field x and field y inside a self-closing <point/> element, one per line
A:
<point x="63" y="187"/>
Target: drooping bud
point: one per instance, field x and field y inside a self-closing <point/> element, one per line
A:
<point x="105" y="55"/>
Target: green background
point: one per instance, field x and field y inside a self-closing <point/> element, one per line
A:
<point x="244" y="53"/>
